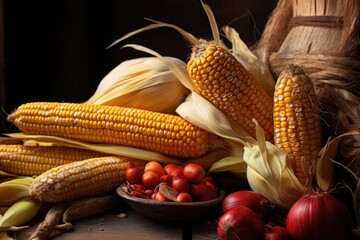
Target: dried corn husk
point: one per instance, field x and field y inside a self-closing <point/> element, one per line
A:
<point x="142" y="83"/>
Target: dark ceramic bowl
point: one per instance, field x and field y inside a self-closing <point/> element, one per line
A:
<point x="173" y="211"/>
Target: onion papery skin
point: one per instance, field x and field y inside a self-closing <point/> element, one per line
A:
<point x="319" y="216"/>
<point x="250" y="199"/>
<point x="240" y="223"/>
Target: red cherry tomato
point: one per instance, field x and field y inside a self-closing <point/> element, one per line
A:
<point x="173" y="169"/>
<point x="150" y="179"/>
<point x="197" y="190"/>
<point x="156" y="167"/>
<point x="159" y="197"/>
<point x="209" y="179"/>
<point x="211" y="192"/>
<point x="180" y="184"/>
<point x="133" y="174"/>
<point x="166" y="179"/>
<point x="184" y="197"/>
<point x="194" y="172"/>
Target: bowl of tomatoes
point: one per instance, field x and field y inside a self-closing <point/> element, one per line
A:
<point x="171" y="192"/>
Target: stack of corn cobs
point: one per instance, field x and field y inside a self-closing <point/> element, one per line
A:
<point x="221" y="109"/>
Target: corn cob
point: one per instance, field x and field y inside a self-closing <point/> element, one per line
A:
<point x="79" y="179"/>
<point x="28" y="160"/>
<point x="297" y="125"/>
<point x="222" y="80"/>
<point x="164" y="133"/>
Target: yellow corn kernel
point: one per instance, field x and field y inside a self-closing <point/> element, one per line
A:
<point x="80" y="179"/>
<point x="159" y="132"/>
<point x="222" y="80"/>
<point x="298" y="134"/>
<point x="34" y="160"/>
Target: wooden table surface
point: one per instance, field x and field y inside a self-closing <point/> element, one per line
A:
<point x="135" y="227"/>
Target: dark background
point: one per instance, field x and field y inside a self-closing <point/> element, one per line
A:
<point x="57" y="50"/>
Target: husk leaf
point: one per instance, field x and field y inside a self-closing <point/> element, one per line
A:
<point x="4" y="175"/>
<point x="157" y="24"/>
<point x="142" y="83"/>
<point x="252" y="63"/>
<point x="325" y="165"/>
<point x="19" y="213"/>
<point x="14" y="190"/>
<point x="270" y="173"/>
<point x="232" y="164"/>
<point x="180" y="73"/>
<point x="111" y="149"/>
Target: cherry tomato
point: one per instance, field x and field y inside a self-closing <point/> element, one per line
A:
<point x="155" y="167"/>
<point x="184" y="197"/>
<point x="133" y="174"/>
<point x="159" y="197"/>
<point x="209" y="179"/>
<point x="173" y="169"/>
<point x="199" y="189"/>
<point x="194" y="172"/>
<point x="167" y="179"/>
<point x="148" y="192"/>
<point x="150" y="179"/>
<point x="180" y="184"/>
<point x="211" y="192"/>
<point x="137" y="187"/>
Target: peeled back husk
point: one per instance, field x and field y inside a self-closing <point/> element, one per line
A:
<point x="145" y="83"/>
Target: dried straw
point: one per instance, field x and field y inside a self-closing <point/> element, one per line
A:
<point x="323" y="37"/>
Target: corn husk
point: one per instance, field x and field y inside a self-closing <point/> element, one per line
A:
<point x="14" y="190"/>
<point x="19" y="213"/>
<point x="269" y="172"/>
<point x="142" y="83"/>
<point x="111" y="149"/>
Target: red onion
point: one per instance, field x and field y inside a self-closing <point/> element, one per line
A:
<point x="319" y="216"/>
<point x="251" y="199"/>
<point x="240" y="223"/>
<point x="276" y="233"/>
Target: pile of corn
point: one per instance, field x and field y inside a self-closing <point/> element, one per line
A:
<point x="220" y="99"/>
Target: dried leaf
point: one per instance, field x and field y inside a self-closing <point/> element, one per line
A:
<point x="168" y="192"/>
<point x="325" y="165"/>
